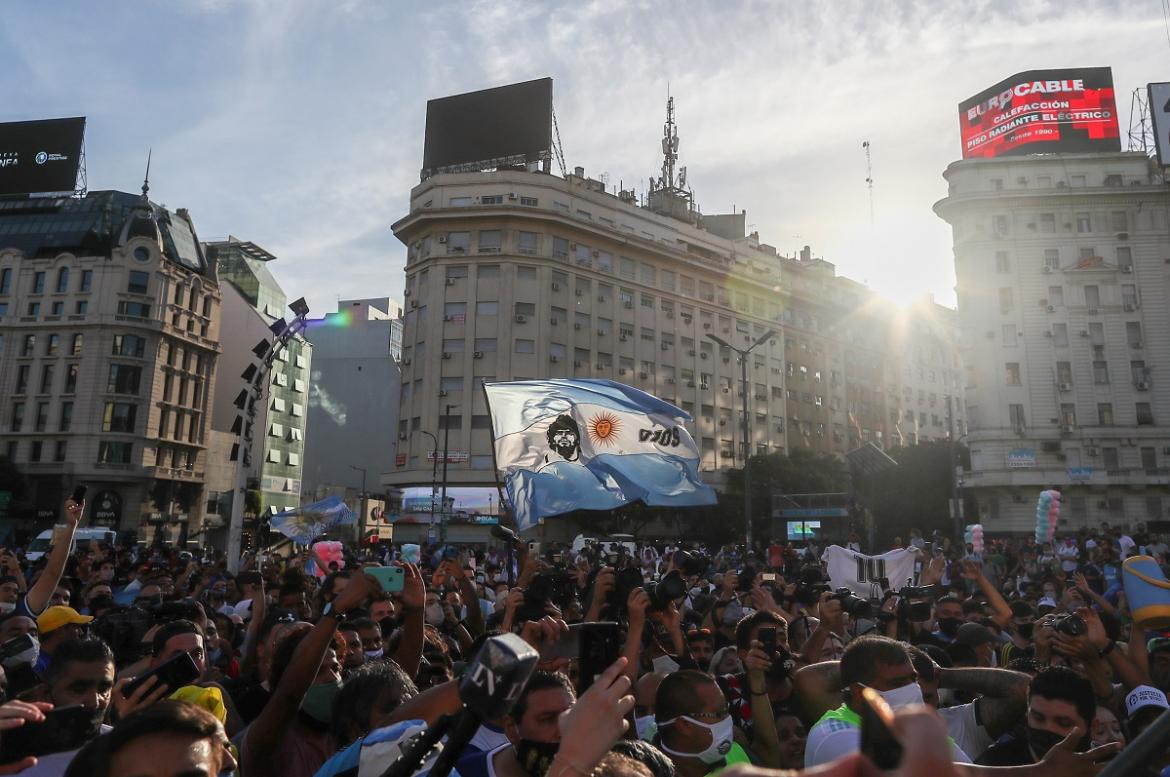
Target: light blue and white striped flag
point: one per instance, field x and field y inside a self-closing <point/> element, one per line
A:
<point x="567" y="445"/>
<point x="308" y="522"/>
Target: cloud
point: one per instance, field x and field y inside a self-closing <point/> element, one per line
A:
<point x="299" y="124"/>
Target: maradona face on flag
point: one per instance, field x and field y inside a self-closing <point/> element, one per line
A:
<point x="567" y="445"/>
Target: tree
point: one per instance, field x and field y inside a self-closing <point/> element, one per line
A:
<point x="801" y="472"/>
<point x="914" y="495"/>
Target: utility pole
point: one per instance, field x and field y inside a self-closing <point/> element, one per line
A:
<point x="747" y="443"/>
<point x="434" y="473"/>
<point x="361" y="522"/>
<point x="956" y="504"/>
<point x="446" y="456"/>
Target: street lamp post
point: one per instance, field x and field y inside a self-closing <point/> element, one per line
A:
<point x="446" y="456"/>
<point x="364" y="497"/>
<point x="747" y="444"/>
<point x="434" y="471"/>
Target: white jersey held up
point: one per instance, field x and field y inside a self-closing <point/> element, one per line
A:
<point x="859" y="572"/>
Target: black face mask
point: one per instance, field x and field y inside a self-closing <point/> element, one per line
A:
<point x="1025" y="630"/>
<point x="387" y="625"/>
<point x="535" y="757"/>
<point x="1041" y="741"/>
<point x="949" y="626"/>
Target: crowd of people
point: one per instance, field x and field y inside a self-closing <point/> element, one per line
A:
<point x="150" y="661"/>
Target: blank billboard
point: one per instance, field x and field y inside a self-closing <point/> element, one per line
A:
<point x="512" y="123"/>
<point x="1160" y="114"/>
<point x="1070" y="110"/>
<point x="40" y="156"/>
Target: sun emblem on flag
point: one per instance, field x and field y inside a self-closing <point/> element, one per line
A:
<point x="604" y="429"/>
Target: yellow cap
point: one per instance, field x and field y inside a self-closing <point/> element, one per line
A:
<point x="55" y="617"/>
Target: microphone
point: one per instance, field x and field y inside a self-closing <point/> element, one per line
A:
<point x="490" y="687"/>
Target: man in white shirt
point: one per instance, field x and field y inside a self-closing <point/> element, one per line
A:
<point x="882" y="664"/>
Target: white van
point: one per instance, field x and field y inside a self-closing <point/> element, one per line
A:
<point x="40" y="546"/>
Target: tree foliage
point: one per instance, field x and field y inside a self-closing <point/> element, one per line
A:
<point x="915" y="495"/>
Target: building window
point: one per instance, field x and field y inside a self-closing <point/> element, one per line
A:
<point x="1084" y="224"/>
<point x="5" y="280"/>
<point x="123" y="379"/>
<point x="1013" y="373"/>
<point x="35" y="450"/>
<point x="81" y="307"/>
<point x="1002" y="263"/>
<point x="60" y="450"/>
<point x="525" y="346"/>
<point x="47" y="379"/>
<point x="1048" y="223"/>
<point x="526" y="273"/>
<point x="71" y="379"/>
<point x="62" y="280"/>
<point x="527" y="242"/>
<point x="1092" y="297"/>
<point x="529" y="202"/>
<point x="1009" y="335"/>
<point x="1052" y="259"/>
<point x="86" y="280"/>
<point x="139" y="282"/>
<point x="128" y="345"/>
<point x="1145" y="415"/>
<point x="1133" y="333"/>
<point x="1055" y="296"/>
<point x="626" y="267"/>
<point x="1006" y="300"/>
<point x="42" y="419"/>
<point x="134" y="309"/>
<point x="38" y="283"/>
<point x="1125" y="258"/>
<point x="1105" y="413"/>
<point x="114" y="452"/>
<point x="119" y="417"/>
<point x="458" y="242"/>
<point x="1100" y="372"/>
<point x="66" y="418"/>
<point x="1016" y="414"/>
<point x="489" y="241"/>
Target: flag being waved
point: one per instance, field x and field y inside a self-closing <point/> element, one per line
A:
<point x="308" y="522"/>
<point x="567" y="445"/>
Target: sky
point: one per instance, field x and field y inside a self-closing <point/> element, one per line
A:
<point x="298" y="124"/>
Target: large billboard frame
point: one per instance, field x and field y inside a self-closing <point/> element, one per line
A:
<point x="42" y="156"/>
<point x="504" y="125"/>
<point x="1059" y="110"/>
<point x="1159" y="106"/>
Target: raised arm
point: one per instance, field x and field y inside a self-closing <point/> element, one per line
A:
<point x="765" y="741"/>
<point x="268" y="731"/>
<point x="38" y="596"/>
<point x="973" y="570"/>
<point x="1004" y="698"/>
<point x="414" y="597"/>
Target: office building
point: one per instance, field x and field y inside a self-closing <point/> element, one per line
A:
<point x="1061" y="261"/>
<point x="353" y="398"/>
<point x="109" y="337"/>
<point x="245" y="266"/>
<point x="515" y="274"/>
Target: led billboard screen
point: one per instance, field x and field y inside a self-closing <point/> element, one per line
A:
<point x="40" y="156"/>
<point x="1041" y="112"/>
<point x="506" y="125"/>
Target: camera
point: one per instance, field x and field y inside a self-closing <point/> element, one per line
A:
<point x="917" y="592"/>
<point x="1070" y="623"/>
<point x="662" y="593"/>
<point x="691" y="564"/>
<point x="853" y="605"/>
<point x="916" y="602"/>
<point x="811" y="584"/>
<point x="544" y="588"/>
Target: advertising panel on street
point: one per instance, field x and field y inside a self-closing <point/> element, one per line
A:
<point x="1069" y="110"/>
<point x="38" y="157"/>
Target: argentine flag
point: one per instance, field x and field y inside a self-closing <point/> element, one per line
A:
<point x="567" y="445"/>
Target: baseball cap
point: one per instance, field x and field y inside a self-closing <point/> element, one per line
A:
<point x="1144" y="696"/>
<point x="1158" y="643"/>
<point x="55" y="617"/>
<point x="973" y="634"/>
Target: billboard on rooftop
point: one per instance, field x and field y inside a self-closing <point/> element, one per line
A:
<point x="40" y="156"/>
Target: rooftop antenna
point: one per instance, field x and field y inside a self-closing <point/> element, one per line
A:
<point x="869" y="180"/>
<point x="146" y="180"/>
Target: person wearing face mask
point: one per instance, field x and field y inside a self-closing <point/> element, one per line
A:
<point x="999" y="707"/>
<point x="1020" y="630"/>
<point x="1060" y="702"/>
<point x="291" y="736"/>
<point x="98" y="597"/>
<point x="644" y="692"/>
<point x="695" y="728"/>
<point x="531" y="729"/>
<point x="948" y="615"/>
<point x="873" y="662"/>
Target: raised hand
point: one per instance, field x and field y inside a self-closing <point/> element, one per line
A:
<point x="591" y="726"/>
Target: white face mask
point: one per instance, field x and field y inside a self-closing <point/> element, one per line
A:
<point x="905" y="696"/>
<point x="665" y="664"/>
<point x="373" y="655"/>
<point x="721" y="740"/>
<point x="646" y="727"/>
<point x="7" y="607"/>
<point x="433" y="614"/>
